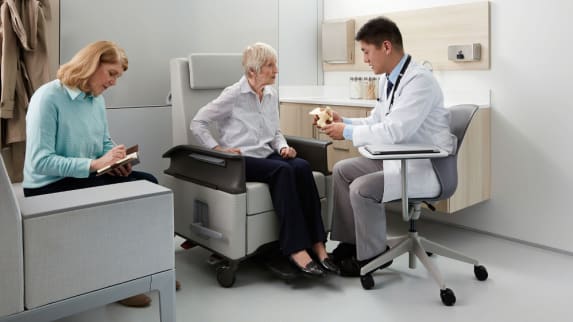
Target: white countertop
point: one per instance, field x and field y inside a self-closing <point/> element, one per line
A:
<point x="339" y="95"/>
<point x="323" y="95"/>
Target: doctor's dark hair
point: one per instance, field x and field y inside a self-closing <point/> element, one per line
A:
<point x="379" y="29"/>
<point x="76" y="72"/>
<point x="256" y="55"/>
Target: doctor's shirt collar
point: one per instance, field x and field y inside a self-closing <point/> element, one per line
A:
<point x="396" y="71"/>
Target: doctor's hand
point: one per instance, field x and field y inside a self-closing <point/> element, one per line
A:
<point x="336" y="118"/>
<point x="228" y="150"/>
<point x="334" y="130"/>
<point x="288" y="153"/>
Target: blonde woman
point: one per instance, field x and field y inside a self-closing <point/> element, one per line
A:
<point x="67" y="130"/>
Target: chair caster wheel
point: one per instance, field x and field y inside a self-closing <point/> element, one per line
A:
<point x="480" y="272"/>
<point x="367" y="281"/>
<point x="448" y="297"/>
<point x="225" y="276"/>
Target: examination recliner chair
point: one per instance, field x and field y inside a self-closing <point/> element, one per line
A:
<point x="214" y="206"/>
<point x="446" y="170"/>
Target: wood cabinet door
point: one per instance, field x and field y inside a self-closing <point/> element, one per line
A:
<point x="295" y="120"/>
<point x="342" y="149"/>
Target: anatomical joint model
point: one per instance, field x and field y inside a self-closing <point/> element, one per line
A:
<point x="324" y="116"/>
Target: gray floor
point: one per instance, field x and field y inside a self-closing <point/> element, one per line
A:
<point x="525" y="284"/>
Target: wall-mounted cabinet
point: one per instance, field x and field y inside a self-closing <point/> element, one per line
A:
<point x="338" y="41"/>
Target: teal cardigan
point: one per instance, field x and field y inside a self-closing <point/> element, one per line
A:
<point x="65" y="130"/>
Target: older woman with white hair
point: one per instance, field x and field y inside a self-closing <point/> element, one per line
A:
<point x="246" y="114"/>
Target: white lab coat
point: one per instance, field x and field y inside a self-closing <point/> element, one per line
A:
<point x="417" y="116"/>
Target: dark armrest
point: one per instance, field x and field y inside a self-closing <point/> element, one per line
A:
<point x="313" y="151"/>
<point x="207" y="167"/>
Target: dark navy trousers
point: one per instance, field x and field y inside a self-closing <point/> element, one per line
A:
<point x="70" y="183"/>
<point x="295" y="199"/>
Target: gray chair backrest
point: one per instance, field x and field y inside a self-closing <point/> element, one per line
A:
<point x="461" y="117"/>
<point x="11" y="248"/>
<point x="447" y="168"/>
<point x="195" y="81"/>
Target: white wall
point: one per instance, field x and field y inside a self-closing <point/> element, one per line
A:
<point x="299" y="28"/>
<point x="532" y="114"/>
<point x="153" y="32"/>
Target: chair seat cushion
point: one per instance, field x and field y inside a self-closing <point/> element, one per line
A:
<point x="259" y="197"/>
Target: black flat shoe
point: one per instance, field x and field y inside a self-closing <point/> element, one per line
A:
<point x="351" y="267"/>
<point x="311" y="269"/>
<point x="343" y="251"/>
<point x="328" y="265"/>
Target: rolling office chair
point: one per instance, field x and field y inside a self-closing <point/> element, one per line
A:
<point x="417" y="246"/>
<point x="214" y="206"/>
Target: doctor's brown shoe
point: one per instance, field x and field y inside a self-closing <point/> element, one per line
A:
<point x="140" y="300"/>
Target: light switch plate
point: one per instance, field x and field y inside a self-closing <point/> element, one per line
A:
<point x="463" y="53"/>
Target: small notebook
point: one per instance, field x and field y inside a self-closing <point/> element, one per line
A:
<point x="131" y="157"/>
<point x="400" y="149"/>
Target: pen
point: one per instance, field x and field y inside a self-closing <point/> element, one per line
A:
<point x="112" y="141"/>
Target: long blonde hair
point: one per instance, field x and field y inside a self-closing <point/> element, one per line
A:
<point x="76" y="72"/>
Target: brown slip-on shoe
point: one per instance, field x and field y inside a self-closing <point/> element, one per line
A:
<point x="140" y="300"/>
<point x="177" y="285"/>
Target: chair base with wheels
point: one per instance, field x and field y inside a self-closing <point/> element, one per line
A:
<point x="419" y="247"/>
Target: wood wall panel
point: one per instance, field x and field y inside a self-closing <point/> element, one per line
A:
<point x="428" y="32"/>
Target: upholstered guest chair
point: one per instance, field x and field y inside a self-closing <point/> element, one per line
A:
<point x="69" y="252"/>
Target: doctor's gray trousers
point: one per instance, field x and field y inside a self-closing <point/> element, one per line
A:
<point x="358" y="216"/>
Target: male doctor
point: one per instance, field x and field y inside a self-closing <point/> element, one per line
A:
<point x="410" y="110"/>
